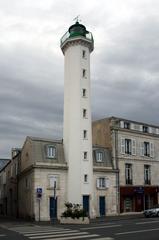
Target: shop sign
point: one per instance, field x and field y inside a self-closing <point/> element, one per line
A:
<point x="139" y="190"/>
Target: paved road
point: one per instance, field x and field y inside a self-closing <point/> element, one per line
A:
<point x="130" y="229"/>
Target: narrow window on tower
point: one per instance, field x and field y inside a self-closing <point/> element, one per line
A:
<point x="85" y="178"/>
<point x="84" y="73"/>
<point x="84" y="134"/>
<point x="85" y="155"/>
<point x="84" y="92"/>
<point x="83" y="54"/>
<point x="84" y="113"/>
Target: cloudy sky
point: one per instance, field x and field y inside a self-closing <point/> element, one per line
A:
<point x="124" y="64"/>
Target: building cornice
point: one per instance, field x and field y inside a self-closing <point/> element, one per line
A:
<point x="105" y="169"/>
<point x="77" y="41"/>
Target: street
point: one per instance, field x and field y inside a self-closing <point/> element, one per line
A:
<point x="120" y="229"/>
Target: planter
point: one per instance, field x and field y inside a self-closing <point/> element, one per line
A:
<point x="70" y="220"/>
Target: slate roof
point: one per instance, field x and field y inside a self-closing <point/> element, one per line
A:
<point x="3" y="162"/>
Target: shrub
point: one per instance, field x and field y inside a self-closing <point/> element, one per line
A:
<point x="74" y="211"/>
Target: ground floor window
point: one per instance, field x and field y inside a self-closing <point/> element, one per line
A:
<point x="128" y="204"/>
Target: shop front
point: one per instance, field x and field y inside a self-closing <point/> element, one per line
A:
<point x="138" y="198"/>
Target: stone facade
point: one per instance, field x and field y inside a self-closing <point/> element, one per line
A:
<point x="135" y="153"/>
<point x="38" y="170"/>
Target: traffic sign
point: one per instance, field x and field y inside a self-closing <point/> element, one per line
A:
<point x="39" y="190"/>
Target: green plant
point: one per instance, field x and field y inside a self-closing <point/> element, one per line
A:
<point x="74" y="211"/>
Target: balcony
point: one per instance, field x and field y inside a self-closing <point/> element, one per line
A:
<point x="68" y="35"/>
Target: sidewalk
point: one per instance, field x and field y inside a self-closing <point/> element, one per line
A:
<point x="123" y="216"/>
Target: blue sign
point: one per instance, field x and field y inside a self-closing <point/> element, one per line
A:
<point x="139" y="190"/>
<point x="39" y="190"/>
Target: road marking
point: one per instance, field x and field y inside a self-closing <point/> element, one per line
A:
<point x="105" y="238"/>
<point x="75" y="237"/>
<point x="88" y="228"/>
<point x="140" y="223"/>
<point x="2" y="235"/>
<point x="44" y="231"/>
<point x="59" y="235"/>
<point x="138" y="231"/>
<point x="50" y="232"/>
<point x="27" y="230"/>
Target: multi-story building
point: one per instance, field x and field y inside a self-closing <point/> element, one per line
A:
<point x="43" y="164"/>
<point x="135" y="154"/>
<point x="9" y="185"/>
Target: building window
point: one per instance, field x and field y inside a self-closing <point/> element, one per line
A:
<point x="147" y="174"/>
<point x="85" y="155"/>
<point x="85" y="178"/>
<point x="84" y="92"/>
<point x="127" y="125"/>
<point x="128" y="173"/>
<point x="147" y="149"/>
<point x="84" y="134"/>
<point x="128" y="146"/>
<point x="84" y="73"/>
<point x="51" y="152"/>
<point x="84" y="113"/>
<point x="52" y="181"/>
<point x="83" y="54"/>
<point x="101" y="183"/>
<point x="145" y="129"/>
<point x="99" y="156"/>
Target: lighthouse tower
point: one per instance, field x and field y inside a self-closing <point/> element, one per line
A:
<point x="76" y="45"/>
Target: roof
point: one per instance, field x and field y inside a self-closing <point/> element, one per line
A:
<point x="3" y="163"/>
<point x="45" y="139"/>
<point x="124" y="119"/>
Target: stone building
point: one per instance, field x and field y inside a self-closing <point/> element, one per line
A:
<point x="43" y="163"/>
<point x="135" y="154"/>
<point x="9" y="186"/>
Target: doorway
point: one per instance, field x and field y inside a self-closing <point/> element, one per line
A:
<point x="53" y="208"/>
<point x="86" y="204"/>
<point x="102" y="206"/>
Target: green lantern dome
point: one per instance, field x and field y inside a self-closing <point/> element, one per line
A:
<point x="77" y="30"/>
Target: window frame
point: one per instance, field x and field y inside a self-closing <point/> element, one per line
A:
<point x="85" y="155"/>
<point x="128" y="174"/>
<point x="48" y="148"/>
<point x="84" y="71"/>
<point x="85" y="134"/>
<point x="101" y="154"/>
<point x="84" y="54"/>
<point x="101" y="183"/>
<point x="147" y="174"/>
<point x="84" y="92"/>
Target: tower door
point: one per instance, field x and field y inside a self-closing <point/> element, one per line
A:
<point x="102" y="206"/>
<point x="86" y="203"/>
<point x="53" y="207"/>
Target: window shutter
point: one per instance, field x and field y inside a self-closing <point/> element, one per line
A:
<point x="142" y="149"/>
<point x="133" y="147"/>
<point x="141" y="128"/>
<point x="122" y="124"/>
<point x="150" y="129"/>
<point x="123" y="145"/>
<point x="151" y="150"/>
<point x="132" y="126"/>
<point x="107" y="182"/>
<point x="97" y="183"/>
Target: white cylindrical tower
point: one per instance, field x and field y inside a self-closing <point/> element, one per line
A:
<point x="76" y="45"/>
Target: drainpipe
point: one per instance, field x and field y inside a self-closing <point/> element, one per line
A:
<point x="117" y="168"/>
